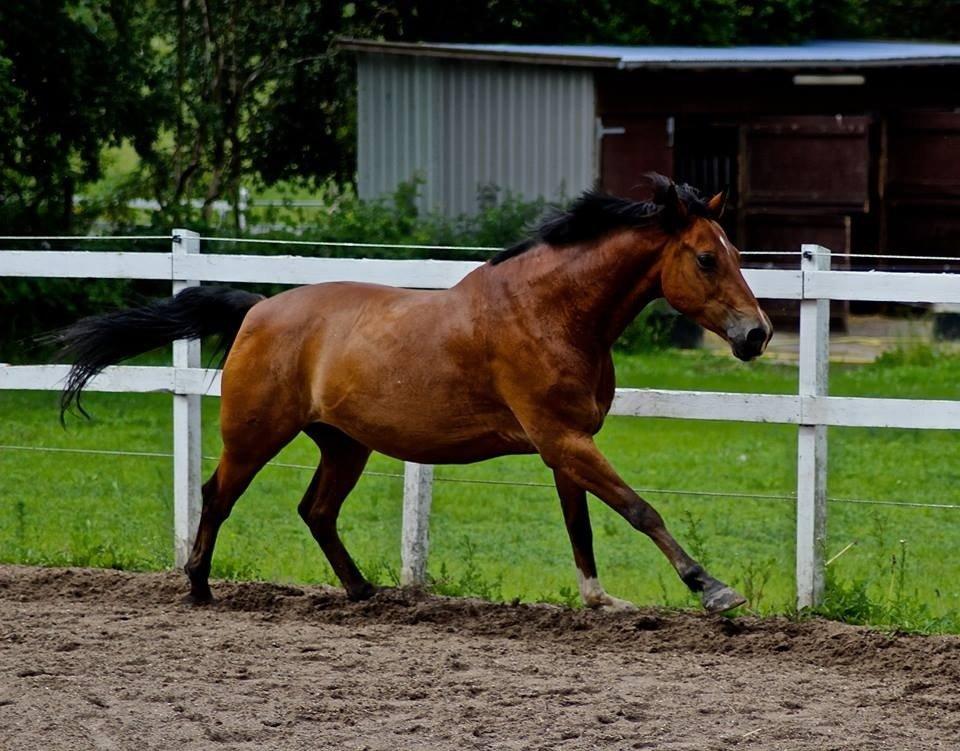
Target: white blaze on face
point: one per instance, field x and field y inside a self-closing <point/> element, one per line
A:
<point x="738" y="324"/>
<point x="724" y="241"/>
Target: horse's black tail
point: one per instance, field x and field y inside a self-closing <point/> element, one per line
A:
<point x="98" y="341"/>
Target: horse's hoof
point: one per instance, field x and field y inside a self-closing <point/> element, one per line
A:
<point x="721" y="598"/>
<point x="363" y="592"/>
<point x="198" y="598"/>
<point x="616" y="605"/>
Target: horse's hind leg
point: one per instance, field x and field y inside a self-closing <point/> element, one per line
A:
<point x="220" y="493"/>
<point x="245" y="452"/>
<point x="576" y="515"/>
<point x="342" y="460"/>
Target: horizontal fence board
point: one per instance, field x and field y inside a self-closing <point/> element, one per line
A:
<point x="707" y="405"/>
<point x="119" y="378"/>
<point x="202" y="381"/>
<point x="422" y="274"/>
<point x="882" y="286"/>
<point x="775" y="284"/>
<point x="72" y="264"/>
<point x="876" y="412"/>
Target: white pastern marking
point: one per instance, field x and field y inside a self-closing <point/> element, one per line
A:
<point x="590" y="590"/>
<point x="594" y="595"/>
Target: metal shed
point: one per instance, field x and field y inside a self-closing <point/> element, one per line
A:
<point x="852" y="144"/>
<point x="462" y="125"/>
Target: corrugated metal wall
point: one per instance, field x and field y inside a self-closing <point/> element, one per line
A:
<point x="524" y="128"/>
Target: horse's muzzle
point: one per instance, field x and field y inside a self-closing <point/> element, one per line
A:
<point x="749" y="342"/>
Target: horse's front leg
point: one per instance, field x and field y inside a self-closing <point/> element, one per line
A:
<point x="575" y="457"/>
<point x="576" y="515"/>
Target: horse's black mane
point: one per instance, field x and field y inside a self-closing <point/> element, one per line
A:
<point x="595" y="213"/>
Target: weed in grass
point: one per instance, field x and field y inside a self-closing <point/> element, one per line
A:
<point x="227" y="567"/>
<point x="470" y="582"/>
<point x="879" y="527"/>
<point x="753" y="581"/>
<point x="898" y="570"/>
<point x="565" y="595"/>
<point x="695" y="539"/>
<point x="852" y="602"/>
<point x="382" y="573"/>
<point x="104" y="555"/>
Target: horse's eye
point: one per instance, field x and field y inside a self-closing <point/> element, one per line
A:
<point x="707" y="261"/>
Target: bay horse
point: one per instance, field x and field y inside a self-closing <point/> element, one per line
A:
<point x="514" y="359"/>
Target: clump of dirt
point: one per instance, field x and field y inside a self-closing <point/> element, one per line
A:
<point x="95" y="658"/>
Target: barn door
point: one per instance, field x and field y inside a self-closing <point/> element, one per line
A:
<point x="804" y="179"/>
<point x="807" y="162"/>
<point x="629" y="146"/>
<point x="800" y="172"/>
<point x="922" y="193"/>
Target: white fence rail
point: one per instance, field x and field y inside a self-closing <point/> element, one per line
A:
<point x="811" y="409"/>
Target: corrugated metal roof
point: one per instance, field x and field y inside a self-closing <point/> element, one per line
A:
<point x="817" y="54"/>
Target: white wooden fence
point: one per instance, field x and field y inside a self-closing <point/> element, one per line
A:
<point x="811" y="409"/>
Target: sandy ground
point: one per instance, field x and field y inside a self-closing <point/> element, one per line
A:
<point x="109" y="660"/>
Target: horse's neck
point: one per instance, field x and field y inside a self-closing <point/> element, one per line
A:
<point x="596" y="291"/>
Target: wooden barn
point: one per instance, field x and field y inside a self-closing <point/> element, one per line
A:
<point x="855" y="145"/>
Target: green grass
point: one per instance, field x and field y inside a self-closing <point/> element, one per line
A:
<point x="505" y="542"/>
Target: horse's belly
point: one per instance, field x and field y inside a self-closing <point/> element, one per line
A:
<point x="431" y="431"/>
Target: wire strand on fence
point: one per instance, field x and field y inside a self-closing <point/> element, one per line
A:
<point x="97" y="452"/>
<point x="512" y="483"/>
<point x="890" y="256"/>
<point x="333" y="244"/>
<point x="413" y="246"/>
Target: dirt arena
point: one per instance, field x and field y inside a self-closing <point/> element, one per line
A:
<point x="110" y="660"/>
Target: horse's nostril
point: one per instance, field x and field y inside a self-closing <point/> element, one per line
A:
<point x="757" y="337"/>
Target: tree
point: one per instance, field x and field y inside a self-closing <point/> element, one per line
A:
<point x="71" y="81"/>
<point x="257" y="89"/>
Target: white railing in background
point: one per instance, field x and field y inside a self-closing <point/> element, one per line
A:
<point x="811" y="409"/>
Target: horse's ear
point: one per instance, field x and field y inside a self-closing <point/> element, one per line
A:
<point x="718" y="203"/>
<point x="675" y="213"/>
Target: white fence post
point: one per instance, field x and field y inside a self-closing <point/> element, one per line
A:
<point x="415" y="538"/>
<point x="187" y="454"/>
<point x="812" y="439"/>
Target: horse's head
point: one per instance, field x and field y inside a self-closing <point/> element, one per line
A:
<point x="700" y="272"/>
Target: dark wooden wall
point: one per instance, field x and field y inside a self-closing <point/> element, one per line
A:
<point x="873" y="168"/>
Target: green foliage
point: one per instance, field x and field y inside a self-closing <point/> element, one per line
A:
<point x="252" y="88"/>
<point x="908" y="354"/>
<point x="651" y="330"/>
<point x="72" y="80"/>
